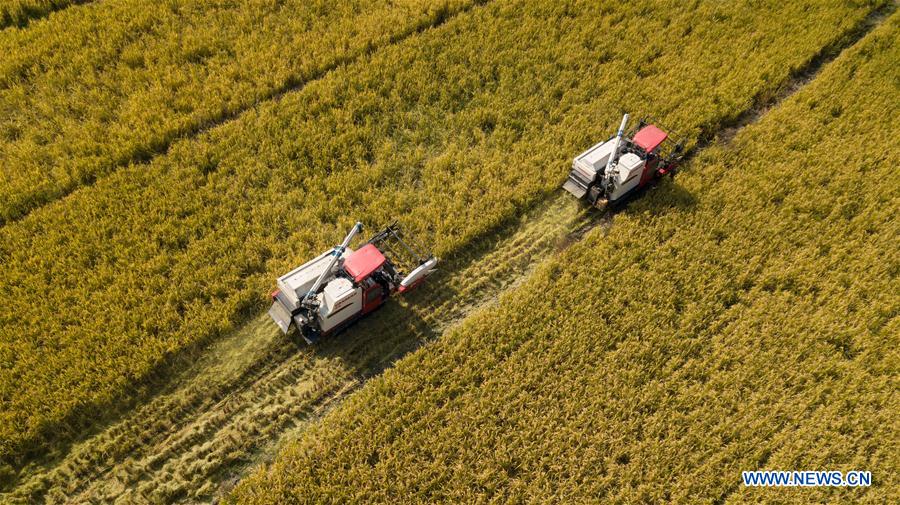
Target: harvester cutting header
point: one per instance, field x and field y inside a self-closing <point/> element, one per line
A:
<point x="335" y="289"/>
<point x="612" y="170"/>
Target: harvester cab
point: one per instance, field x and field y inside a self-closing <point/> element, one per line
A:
<point x="614" y="169"/>
<point x="339" y="286"/>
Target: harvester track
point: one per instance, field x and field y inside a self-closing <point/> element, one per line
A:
<point x="255" y="388"/>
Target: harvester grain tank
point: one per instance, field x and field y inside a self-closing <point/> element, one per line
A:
<point x="614" y="169"/>
<point x="331" y="291"/>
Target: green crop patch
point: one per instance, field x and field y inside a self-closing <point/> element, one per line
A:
<point x="743" y="317"/>
<point x="452" y="130"/>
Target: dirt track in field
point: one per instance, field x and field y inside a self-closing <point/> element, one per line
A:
<point x="256" y="388"/>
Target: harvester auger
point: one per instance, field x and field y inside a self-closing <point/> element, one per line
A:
<point x="338" y="287"/>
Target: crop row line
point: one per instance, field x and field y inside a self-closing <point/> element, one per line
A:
<point x="434" y="131"/>
<point x="292" y="84"/>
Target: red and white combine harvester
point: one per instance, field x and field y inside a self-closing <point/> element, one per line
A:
<point x="335" y="289"/>
<point x="612" y="170"/>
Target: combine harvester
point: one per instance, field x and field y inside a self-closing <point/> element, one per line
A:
<point x="611" y="171"/>
<point x="332" y="291"/>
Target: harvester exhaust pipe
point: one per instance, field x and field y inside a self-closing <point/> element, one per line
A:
<point x="335" y="256"/>
<point x="615" y="152"/>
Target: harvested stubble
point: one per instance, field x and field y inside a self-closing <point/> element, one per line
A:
<point x="744" y="318"/>
<point x="156" y="259"/>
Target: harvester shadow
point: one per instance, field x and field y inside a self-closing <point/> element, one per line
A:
<point x="672" y="195"/>
<point x="376" y="342"/>
<point x="382" y="338"/>
<point x="658" y="199"/>
<point x="257" y="348"/>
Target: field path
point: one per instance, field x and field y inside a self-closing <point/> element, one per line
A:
<point x="255" y="388"/>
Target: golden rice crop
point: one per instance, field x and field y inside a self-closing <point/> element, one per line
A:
<point x="91" y="89"/>
<point x="453" y="130"/>
<point x="744" y="317"/>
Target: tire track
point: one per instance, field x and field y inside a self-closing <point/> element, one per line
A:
<point x="255" y="388"/>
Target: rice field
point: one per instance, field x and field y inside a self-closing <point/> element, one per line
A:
<point x="100" y="87"/>
<point x="255" y="389"/>
<point x="20" y="12"/>
<point x="697" y="337"/>
<point x="162" y="163"/>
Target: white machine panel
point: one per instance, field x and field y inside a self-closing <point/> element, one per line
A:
<point x="593" y="161"/>
<point x="340" y="301"/>
<point x="281" y="316"/>
<point x="630" y="167"/>
<point x="298" y="281"/>
<point x="421" y="271"/>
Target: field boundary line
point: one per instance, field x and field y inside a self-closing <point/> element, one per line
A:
<point x="761" y="103"/>
<point x="797" y="79"/>
<point x="291" y="85"/>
